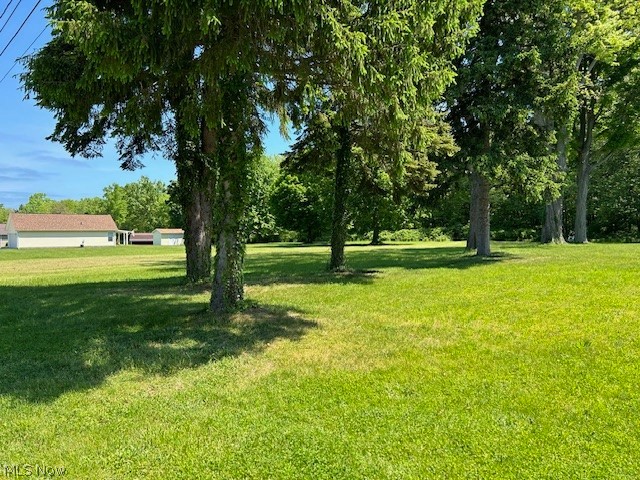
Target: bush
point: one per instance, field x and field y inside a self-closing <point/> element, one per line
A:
<point x="288" y="236"/>
<point x="435" y="234"/>
<point x="515" y="234"/>
<point x="459" y="231"/>
<point x="404" y="235"/>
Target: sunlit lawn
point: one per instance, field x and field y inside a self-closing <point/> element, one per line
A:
<point x="422" y="362"/>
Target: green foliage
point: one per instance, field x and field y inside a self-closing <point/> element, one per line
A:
<point x="92" y="206"/>
<point x="201" y="77"/>
<point x="379" y="180"/>
<point x="174" y="203"/>
<point x="260" y="221"/>
<point x="501" y="81"/>
<point x="435" y="234"/>
<point x="516" y="234"/>
<point x="38" y="203"/>
<point x="115" y="197"/>
<point x="391" y="90"/>
<point x="304" y="197"/>
<point x="606" y="38"/>
<point x="303" y="204"/>
<point x="131" y="65"/>
<point x="4" y="213"/>
<point x="146" y="205"/>
<point x="140" y="206"/>
<point x="41" y="203"/>
<point x="446" y="206"/>
<point x="375" y="212"/>
<point x="615" y="199"/>
<point x="403" y="235"/>
<point x="515" y="216"/>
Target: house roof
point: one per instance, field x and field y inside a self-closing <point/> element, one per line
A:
<point x="141" y="236"/>
<point x="40" y="222"/>
<point x="3" y="229"/>
<point x="169" y="230"/>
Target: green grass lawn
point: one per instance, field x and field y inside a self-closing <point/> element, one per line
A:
<point x="422" y="362"/>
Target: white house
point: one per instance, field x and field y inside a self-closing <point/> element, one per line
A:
<point x="30" y="230"/>
<point x="168" y="236"/>
<point x="3" y="235"/>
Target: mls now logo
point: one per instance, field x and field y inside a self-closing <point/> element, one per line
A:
<point x="28" y="470"/>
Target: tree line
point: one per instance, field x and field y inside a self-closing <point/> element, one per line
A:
<point x="290" y="203"/>
<point x="141" y="206"/>
<point x="395" y="101"/>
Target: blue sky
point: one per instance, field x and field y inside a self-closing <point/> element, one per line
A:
<point x="28" y="162"/>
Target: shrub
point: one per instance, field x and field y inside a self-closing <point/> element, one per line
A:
<point x="404" y="235"/>
<point x="435" y="234"/>
<point x="515" y="234"/>
<point x="288" y="235"/>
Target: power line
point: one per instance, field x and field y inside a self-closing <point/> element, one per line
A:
<point x="11" y="15"/>
<point x="25" y="52"/>
<point x="5" y="9"/>
<point x="20" y="28"/>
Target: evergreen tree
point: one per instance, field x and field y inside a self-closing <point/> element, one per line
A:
<point x="493" y="105"/>
<point x="387" y="89"/>
<point x="241" y="59"/>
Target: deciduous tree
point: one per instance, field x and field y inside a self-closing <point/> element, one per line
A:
<point x="38" y="203"/>
<point x="607" y="42"/>
<point x="4" y="213"/>
<point x="140" y="206"/>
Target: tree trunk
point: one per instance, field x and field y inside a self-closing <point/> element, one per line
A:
<point x="580" y="228"/>
<point x="227" y="291"/>
<point x="473" y="215"/>
<point x="228" y="282"/>
<point x="197" y="234"/>
<point x="375" y="239"/>
<point x="235" y="149"/>
<point x="196" y="187"/>
<point x="552" y="230"/>
<point x="341" y="194"/>
<point x="587" y="123"/>
<point x="482" y="222"/>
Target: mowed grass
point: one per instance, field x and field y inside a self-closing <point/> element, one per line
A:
<point x="422" y="362"/>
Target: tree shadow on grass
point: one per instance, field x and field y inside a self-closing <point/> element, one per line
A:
<point x="299" y="266"/>
<point x="288" y="245"/>
<point x="363" y="265"/>
<point x="67" y="338"/>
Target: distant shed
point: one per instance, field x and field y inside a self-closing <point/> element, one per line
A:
<point x="141" y="239"/>
<point x="168" y="236"/>
<point x="31" y="230"/>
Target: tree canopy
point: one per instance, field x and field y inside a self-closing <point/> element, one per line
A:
<point x="385" y="59"/>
